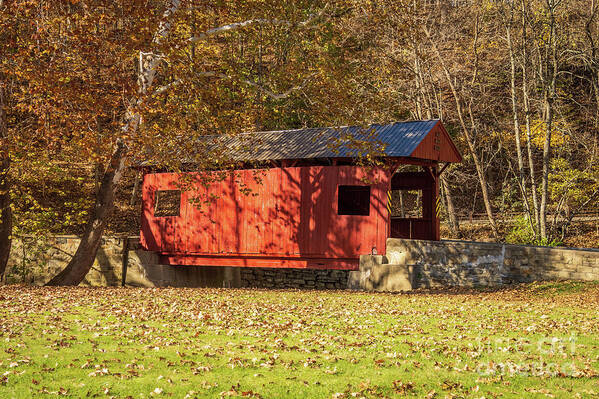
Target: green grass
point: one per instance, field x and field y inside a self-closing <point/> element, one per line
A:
<point x="538" y="341"/>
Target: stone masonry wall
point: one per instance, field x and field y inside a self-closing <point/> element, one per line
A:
<point x="293" y="278"/>
<point x="461" y="263"/>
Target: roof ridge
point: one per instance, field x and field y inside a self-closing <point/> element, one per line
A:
<point x="323" y="128"/>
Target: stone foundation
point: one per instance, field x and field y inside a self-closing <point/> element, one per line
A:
<point x="293" y="278"/>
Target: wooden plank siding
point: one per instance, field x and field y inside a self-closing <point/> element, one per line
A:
<point x="288" y="219"/>
<point x="437" y="146"/>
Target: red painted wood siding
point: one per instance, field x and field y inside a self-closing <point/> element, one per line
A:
<point x="437" y="146"/>
<point x="291" y="214"/>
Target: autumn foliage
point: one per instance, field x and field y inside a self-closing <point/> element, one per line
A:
<point x="516" y="83"/>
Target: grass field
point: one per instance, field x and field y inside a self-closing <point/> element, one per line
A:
<point x="536" y="341"/>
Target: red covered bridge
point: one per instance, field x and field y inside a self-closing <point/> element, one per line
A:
<point x="313" y="207"/>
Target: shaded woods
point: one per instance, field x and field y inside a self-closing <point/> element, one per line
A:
<point x="516" y="83"/>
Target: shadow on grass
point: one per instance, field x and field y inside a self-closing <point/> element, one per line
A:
<point x="562" y="287"/>
<point x="539" y="288"/>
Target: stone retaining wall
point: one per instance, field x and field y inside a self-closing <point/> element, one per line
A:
<point x="461" y="263"/>
<point x="408" y="263"/>
<point x="36" y="262"/>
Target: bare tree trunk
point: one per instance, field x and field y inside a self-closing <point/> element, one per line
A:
<point x="5" y="210"/>
<point x="546" y="161"/>
<point x="97" y="177"/>
<point x="521" y="175"/>
<point x="469" y="139"/>
<point x="593" y="63"/>
<point x="515" y="113"/>
<point x="480" y="171"/>
<point x="417" y="81"/>
<point x="402" y="209"/>
<point x="550" y="96"/>
<point x="85" y="255"/>
<point x="526" y="103"/>
<point x="454" y="225"/>
<point x="424" y="105"/>
<point x="138" y="177"/>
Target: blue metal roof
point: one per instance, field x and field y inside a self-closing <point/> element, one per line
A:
<point x="398" y="139"/>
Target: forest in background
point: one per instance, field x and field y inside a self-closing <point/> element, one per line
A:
<point x="90" y="88"/>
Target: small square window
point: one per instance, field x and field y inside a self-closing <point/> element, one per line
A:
<point x="168" y="203"/>
<point x="353" y="200"/>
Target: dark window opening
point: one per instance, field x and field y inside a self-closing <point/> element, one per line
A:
<point x="353" y="200"/>
<point x="168" y="203"/>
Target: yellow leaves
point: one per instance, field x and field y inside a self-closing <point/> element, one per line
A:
<point x="538" y="130"/>
<point x="572" y="184"/>
<point x="489" y="5"/>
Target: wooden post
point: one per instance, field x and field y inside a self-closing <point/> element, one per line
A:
<point x="436" y="225"/>
<point x="430" y="197"/>
<point x="125" y="259"/>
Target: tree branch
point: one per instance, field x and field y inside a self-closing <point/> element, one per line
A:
<point x="265" y="90"/>
<point x="278" y="96"/>
<point x="148" y="64"/>
<point x="259" y="21"/>
<point x="164" y="88"/>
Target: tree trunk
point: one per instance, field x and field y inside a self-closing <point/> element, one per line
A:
<point x="402" y="209"/>
<point x="5" y="210"/>
<point x="480" y="171"/>
<point x="550" y="96"/>
<point x="545" y="175"/>
<point x="521" y="174"/>
<point x="546" y="166"/>
<point x="85" y="255"/>
<point x="417" y="81"/>
<point x="454" y="225"/>
<point x="526" y="103"/>
<point x="482" y="178"/>
<point x="136" y="184"/>
<point x="593" y="63"/>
